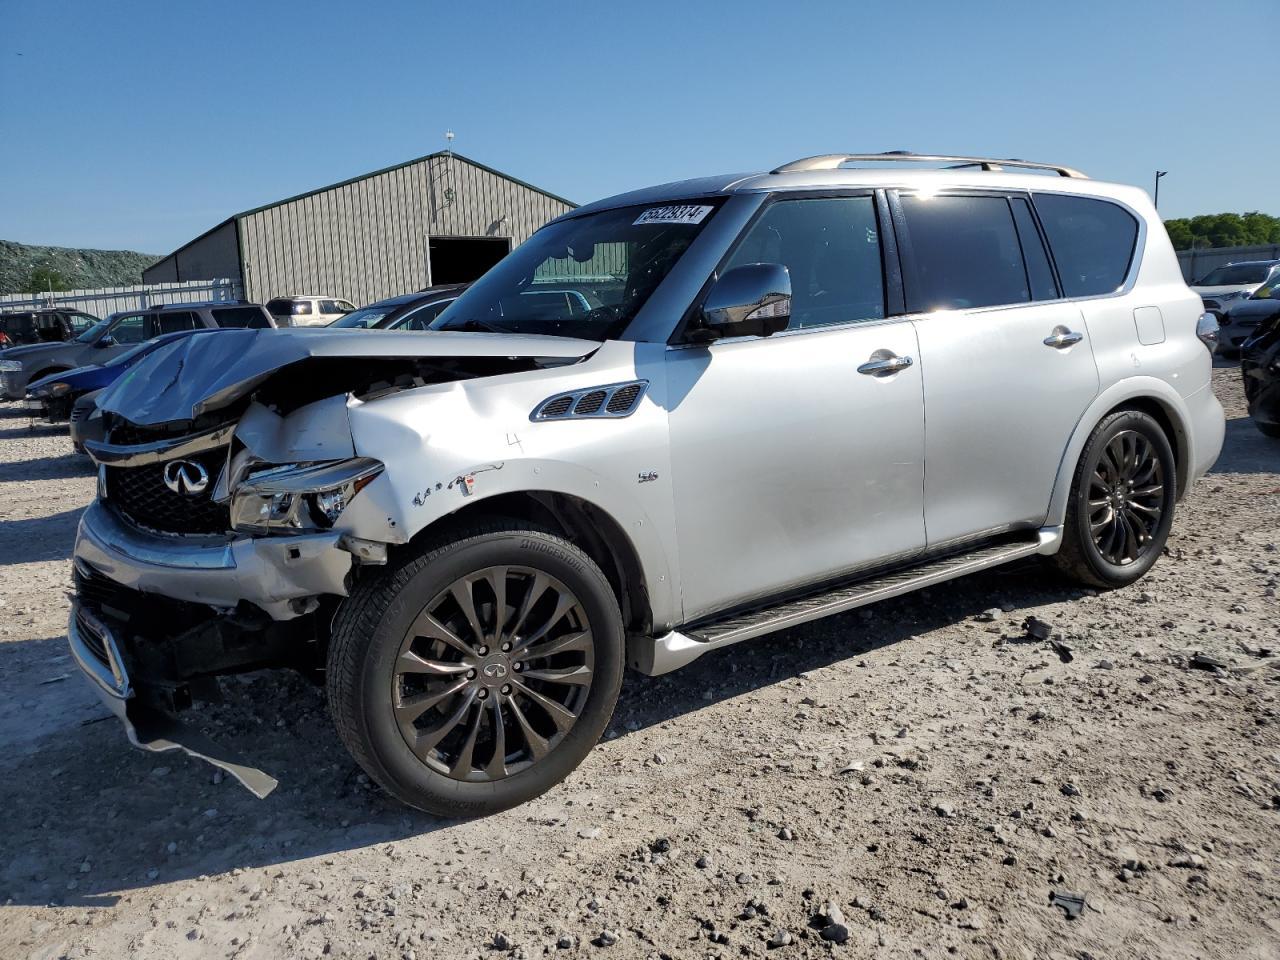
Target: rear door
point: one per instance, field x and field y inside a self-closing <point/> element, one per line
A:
<point x="790" y="465"/>
<point x="1010" y="368"/>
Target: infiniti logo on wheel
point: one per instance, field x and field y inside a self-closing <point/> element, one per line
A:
<point x="495" y="670"/>
<point x="186" y="477"/>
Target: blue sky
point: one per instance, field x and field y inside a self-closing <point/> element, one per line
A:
<point x="136" y="124"/>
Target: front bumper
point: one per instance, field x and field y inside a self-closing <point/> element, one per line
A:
<point x="97" y="654"/>
<point x="13" y="384"/>
<point x="279" y="575"/>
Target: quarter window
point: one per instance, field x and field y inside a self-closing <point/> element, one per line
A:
<point x="1092" y="242"/>
<point x="965" y="253"/>
<point x="1039" y="272"/>
<point x="831" y="248"/>
<point x="240" y="317"/>
<point x="176" y="321"/>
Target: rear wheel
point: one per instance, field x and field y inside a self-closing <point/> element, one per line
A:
<point x="1122" y="501"/>
<point x="478" y="673"/>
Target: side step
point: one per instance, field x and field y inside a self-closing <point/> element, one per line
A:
<point x="677" y="649"/>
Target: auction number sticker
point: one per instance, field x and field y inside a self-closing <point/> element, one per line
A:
<point x="684" y="213"/>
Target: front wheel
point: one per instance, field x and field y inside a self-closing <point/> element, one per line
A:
<point x="477" y="673"/>
<point x="1121" y="506"/>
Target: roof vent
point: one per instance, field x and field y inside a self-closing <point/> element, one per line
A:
<point x="610" y="402"/>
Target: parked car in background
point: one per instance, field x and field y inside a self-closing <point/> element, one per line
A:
<point x="409" y="311"/>
<point x="53" y="397"/>
<point x="1260" y="368"/>
<point x="22" y="327"/>
<point x="1245" y="317"/>
<point x="472" y="531"/>
<point x="1222" y="287"/>
<point x="119" y="333"/>
<point x="308" y="311"/>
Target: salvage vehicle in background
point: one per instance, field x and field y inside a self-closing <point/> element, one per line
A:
<point x="471" y="532"/>
<point x="119" y="333"/>
<point x="1223" y="287"/>
<point x="1260" y="368"/>
<point x="53" y="397"/>
<point x="21" y="327"/>
<point x="308" y="311"/>
<point x="1247" y="315"/>
<point x="409" y="311"/>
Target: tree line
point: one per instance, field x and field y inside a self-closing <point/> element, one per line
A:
<point x="1223" y="230"/>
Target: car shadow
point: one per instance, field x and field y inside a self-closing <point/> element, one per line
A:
<point x="169" y="807"/>
<point x="47" y="468"/>
<point x="1245" y="449"/>
<point x="36" y="539"/>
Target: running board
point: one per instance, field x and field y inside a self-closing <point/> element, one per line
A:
<point x="677" y="649"/>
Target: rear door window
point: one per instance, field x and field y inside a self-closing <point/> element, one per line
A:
<point x="831" y="248"/>
<point x="331" y="306"/>
<point x="174" y="321"/>
<point x="964" y="253"/>
<point x="240" y="317"/>
<point x="1092" y="242"/>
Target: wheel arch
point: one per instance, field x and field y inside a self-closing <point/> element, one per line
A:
<point x="585" y="524"/>
<point x="1146" y="394"/>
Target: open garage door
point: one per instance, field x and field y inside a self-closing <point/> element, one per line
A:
<point x="463" y="259"/>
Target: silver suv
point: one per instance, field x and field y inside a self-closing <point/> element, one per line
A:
<point x="791" y="394"/>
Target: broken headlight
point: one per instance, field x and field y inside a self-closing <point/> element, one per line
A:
<point x="299" y="498"/>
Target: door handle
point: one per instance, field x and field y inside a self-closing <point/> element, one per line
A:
<point x="883" y="365"/>
<point x="1062" y="337"/>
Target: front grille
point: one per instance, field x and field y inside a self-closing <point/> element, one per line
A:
<point x="80" y="412"/>
<point x="92" y="639"/>
<point x="141" y="495"/>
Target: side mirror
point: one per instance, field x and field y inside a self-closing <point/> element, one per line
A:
<point x="753" y="300"/>
<point x="106" y="340"/>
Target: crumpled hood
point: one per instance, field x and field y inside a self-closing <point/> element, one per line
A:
<point x="195" y="375"/>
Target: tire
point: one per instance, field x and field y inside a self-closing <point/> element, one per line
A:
<point x="380" y="671"/>
<point x="1106" y="557"/>
<point x="1268" y="429"/>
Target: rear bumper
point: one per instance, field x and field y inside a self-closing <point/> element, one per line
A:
<point x="269" y="572"/>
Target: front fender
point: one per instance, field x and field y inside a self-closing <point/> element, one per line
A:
<point x="1186" y="441"/>
<point x="454" y="445"/>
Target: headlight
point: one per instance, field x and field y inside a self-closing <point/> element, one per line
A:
<point x="1207" y="331"/>
<point x="297" y="498"/>
<point x="58" y="389"/>
<point x="10" y="366"/>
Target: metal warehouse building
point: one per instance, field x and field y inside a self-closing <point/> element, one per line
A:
<point x="439" y="219"/>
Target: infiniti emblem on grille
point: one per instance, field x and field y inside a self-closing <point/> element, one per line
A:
<point x="186" y="477"/>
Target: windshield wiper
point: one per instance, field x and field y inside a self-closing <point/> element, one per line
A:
<point x="474" y="324"/>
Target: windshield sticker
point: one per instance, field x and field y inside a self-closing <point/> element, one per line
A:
<point x="685" y="213"/>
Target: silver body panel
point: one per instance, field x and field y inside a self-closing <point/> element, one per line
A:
<point x="750" y="467"/>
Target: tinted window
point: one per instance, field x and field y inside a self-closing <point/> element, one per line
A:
<point x="965" y="253"/>
<point x="130" y="329"/>
<point x="250" y="317"/>
<point x="176" y="320"/>
<point x="1092" y="242"/>
<point x="1234" y="273"/>
<point x="831" y="247"/>
<point x="1039" y="272"/>
<point x="419" y="319"/>
<point x="331" y="306"/>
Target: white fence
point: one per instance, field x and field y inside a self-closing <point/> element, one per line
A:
<point x="1196" y="263"/>
<point x="113" y="299"/>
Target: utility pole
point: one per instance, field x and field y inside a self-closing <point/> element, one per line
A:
<point x="1159" y="174"/>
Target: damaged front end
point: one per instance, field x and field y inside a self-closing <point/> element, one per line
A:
<point x="234" y="509"/>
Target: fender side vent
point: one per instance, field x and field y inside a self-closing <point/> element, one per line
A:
<point x="608" y="402"/>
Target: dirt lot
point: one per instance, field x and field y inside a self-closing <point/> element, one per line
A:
<point x="913" y="766"/>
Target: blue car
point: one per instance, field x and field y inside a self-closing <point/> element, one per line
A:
<point x="53" y="397"/>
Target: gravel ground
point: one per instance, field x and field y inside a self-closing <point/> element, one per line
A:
<point x="909" y="780"/>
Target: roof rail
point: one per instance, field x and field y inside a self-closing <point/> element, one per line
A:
<point x="833" y="161"/>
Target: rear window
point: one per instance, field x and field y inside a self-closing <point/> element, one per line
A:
<point x="1235" y="273"/>
<point x="1092" y="242"/>
<point x="240" y="317"/>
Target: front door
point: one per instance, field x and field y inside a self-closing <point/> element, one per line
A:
<point x="789" y="465"/>
<point x="1010" y="365"/>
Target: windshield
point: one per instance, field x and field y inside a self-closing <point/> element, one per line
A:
<point x="584" y="277"/>
<point x="1236" y="273"/>
<point x="97" y="330"/>
<point x="365" y="317"/>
